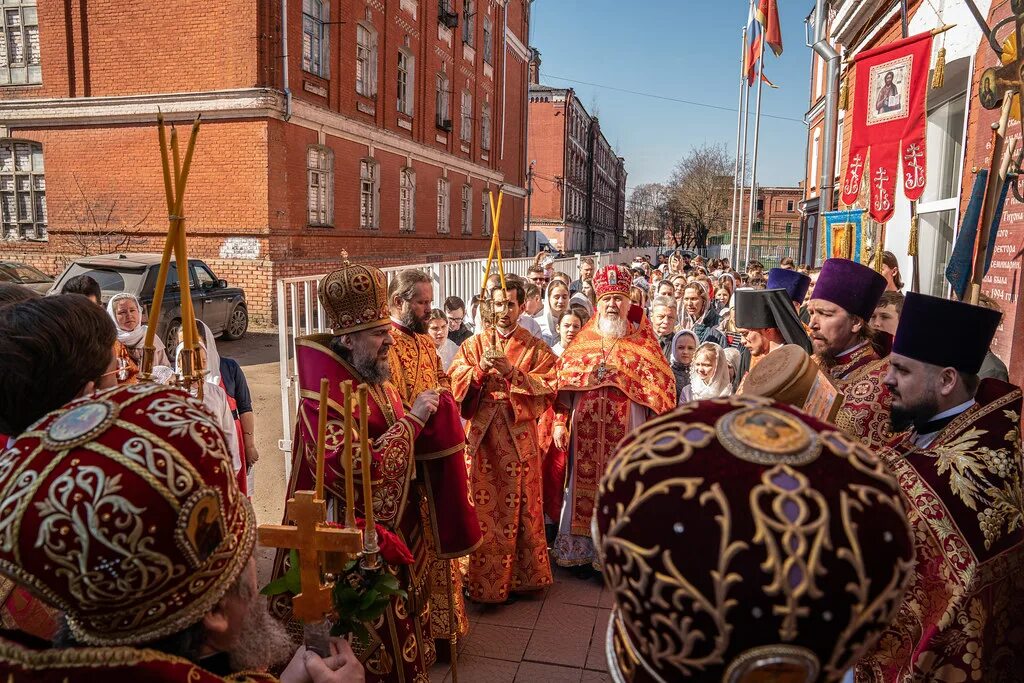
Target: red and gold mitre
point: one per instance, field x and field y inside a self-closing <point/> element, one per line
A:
<point x="612" y="279"/>
<point x="741" y="538"/>
<point x="355" y="297"/>
<point x="121" y="510"/>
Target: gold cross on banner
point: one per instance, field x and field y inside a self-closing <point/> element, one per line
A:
<point x="310" y="538"/>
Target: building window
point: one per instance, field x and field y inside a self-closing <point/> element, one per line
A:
<point x="468" y="14"/>
<point x="488" y="41"/>
<point x="485" y="213"/>
<point x="760" y="205"/>
<point x="22" y="190"/>
<point x="407" y="201"/>
<point x="315" y="42"/>
<point x="485" y="126"/>
<point x="406" y="82"/>
<point x="789" y="227"/>
<point x="789" y="206"/>
<point x="443" y="205"/>
<point x="366" y="61"/>
<point x="467" y="209"/>
<point x="443" y="103"/>
<point x="466" y="126"/>
<point x="757" y="225"/>
<point x="19" y="49"/>
<point x="320" y="181"/>
<point x="368" y="213"/>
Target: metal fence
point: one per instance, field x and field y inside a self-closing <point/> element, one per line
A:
<point x="299" y="312"/>
<point x="768" y="254"/>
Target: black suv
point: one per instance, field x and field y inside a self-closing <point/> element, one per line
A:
<point x="221" y="307"/>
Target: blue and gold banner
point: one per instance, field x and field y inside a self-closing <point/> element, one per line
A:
<point x="843" y="236"/>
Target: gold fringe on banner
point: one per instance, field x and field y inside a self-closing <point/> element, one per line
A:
<point x="844" y="94"/>
<point x="939" y="77"/>
<point x="914" y="234"/>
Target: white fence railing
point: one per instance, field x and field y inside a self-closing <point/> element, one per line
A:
<point x="299" y="312"/>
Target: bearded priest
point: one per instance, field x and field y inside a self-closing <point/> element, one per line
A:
<point x="355" y="299"/>
<point x="611" y="379"/>
<point x="504" y="380"/>
<point x="449" y="518"/>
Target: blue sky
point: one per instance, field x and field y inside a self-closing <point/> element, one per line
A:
<point x="686" y="49"/>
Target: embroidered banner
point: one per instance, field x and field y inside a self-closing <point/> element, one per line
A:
<point x="888" y="123"/>
<point x="844" y="236"/>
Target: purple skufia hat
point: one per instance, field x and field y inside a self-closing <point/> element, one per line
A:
<point x="790" y="280"/>
<point x="852" y="286"/>
<point x="949" y="334"/>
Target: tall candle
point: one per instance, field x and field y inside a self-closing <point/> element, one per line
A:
<point x="321" y="439"/>
<point x="161" y="279"/>
<point x="350" y="481"/>
<point x="364" y="452"/>
<point x="495" y="219"/>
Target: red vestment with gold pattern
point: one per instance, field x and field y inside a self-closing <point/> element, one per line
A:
<point x="960" y="619"/>
<point x="506" y="462"/>
<point x="450" y="521"/>
<point x="864" y="413"/>
<point x="398" y="650"/>
<point x="604" y="380"/>
<point x="21" y="663"/>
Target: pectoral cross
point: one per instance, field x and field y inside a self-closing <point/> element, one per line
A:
<point x="311" y="539"/>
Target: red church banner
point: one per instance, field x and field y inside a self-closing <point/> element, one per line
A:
<point x="889" y="122"/>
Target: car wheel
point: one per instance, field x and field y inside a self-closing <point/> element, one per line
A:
<point x="171" y="336"/>
<point x="238" y="323"/>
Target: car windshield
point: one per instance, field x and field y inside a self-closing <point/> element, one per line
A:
<point x="112" y="280"/>
<point x="24" y="273"/>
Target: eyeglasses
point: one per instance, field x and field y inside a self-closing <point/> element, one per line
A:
<point x="453" y="319"/>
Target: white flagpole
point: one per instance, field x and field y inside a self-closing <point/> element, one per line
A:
<point x="757" y="130"/>
<point x="743" y="170"/>
<point x="737" y="182"/>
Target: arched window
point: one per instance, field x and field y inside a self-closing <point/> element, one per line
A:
<point x="320" y="191"/>
<point x="406" y="81"/>
<point x="366" y="60"/>
<point x="407" y="200"/>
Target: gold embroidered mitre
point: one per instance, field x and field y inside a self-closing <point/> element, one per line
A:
<point x="355" y="297"/>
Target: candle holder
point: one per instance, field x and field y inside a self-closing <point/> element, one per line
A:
<point x="146" y="369"/>
<point x="371" y="551"/>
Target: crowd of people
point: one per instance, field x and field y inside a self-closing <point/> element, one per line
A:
<point x="655" y="424"/>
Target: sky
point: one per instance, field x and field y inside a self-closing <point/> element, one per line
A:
<point x="682" y="49"/>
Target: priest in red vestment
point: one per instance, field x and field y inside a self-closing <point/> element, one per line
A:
<point x="355" y="299"/>
<point x="848" y="349"/>
<point x="505" y="384"/>
<point x="450" y="522"/>
<point x="610" y="380"/>
<point x="132" y="525"/>
<point x="959" y="470"/>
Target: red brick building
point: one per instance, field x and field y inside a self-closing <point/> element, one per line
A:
<point x="375" y="126"/>
<point x="579" y="182"/>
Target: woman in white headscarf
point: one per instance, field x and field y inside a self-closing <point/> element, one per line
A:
<point x="126" y="312"/>
<point x="709" y="373"/>
<point x="215" y="398"/>
<point x="556" y="306"/>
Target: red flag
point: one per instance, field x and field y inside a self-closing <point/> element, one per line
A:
<point x="768" y="17"/>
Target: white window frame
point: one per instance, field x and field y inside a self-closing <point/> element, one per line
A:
<point x="488" y="41"/>
<point x="316" y="42"/>
<point x="23" y="212"/>
<point x="485" y="221"/>
<point x="19" y="23"/>
<point x="468" y="24"/>
<point x="444" y="213"/>
<point x="467" y="209"/>
<point x="466" y="122"/>
<point x="369" y="194"/>
<point x="320" y="186"/>
<point x="485" y="126"/>
<point x="443" y="99"/>
<point x="406" y="81"/>
<point x="366" y="60"/>
<point x="407" y="200"/>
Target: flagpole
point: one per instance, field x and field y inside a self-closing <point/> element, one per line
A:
<point x="743" y="170"/>
<point x="737" y="182"/>
<point x="757" y="131"/>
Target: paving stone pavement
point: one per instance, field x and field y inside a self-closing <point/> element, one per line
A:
<point x="553" y="636"/>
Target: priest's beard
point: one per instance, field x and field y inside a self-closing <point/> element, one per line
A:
<point x="263" y="641"/>
<point x="371" y="367"/>
<point x="901" y="418"/>
<point x="409" y="319"/>
<point x="612" y="328"/>
<point x="826" y="359"/>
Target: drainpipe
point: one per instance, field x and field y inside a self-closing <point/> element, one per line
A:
<point x="284" y="59"/>
<point x="828" y="157"/>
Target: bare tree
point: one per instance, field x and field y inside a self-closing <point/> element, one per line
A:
<point x="98" y="225"/>
<point x="699" y="197"/>
<point x="645" y="213"/>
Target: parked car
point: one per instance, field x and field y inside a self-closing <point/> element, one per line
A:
<point x="24" y="274"/>
<point x="221" y="307"/>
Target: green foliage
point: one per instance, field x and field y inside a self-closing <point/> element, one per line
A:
<point x="360" y="597"/>
<point x="287" y="582"/>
